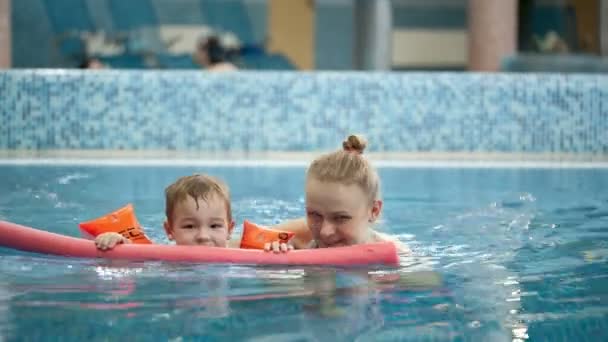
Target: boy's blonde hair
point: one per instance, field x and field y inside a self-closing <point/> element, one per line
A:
<point x="196" y="186"/>
<point x="348" y="166"/>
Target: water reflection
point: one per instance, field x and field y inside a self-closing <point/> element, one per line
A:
<point x="6" y="327"/>
<point x="192" y="300"/>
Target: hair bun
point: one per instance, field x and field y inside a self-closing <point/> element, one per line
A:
<point x="354" y="143"/>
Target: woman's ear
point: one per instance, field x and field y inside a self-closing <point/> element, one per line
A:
<point x="376" y="210"/>
<point x="168" y="230"/>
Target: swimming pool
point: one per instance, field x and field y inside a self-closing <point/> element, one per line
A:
<point x="521" y="252"/>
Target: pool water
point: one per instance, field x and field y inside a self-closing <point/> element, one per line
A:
<point x="521" y="253"/>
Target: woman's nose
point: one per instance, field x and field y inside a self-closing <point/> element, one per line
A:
<point x="327" y="230"/>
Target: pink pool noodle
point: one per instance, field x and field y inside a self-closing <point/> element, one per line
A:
<point x="33" y="240"/>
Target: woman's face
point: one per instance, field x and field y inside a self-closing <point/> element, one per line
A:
<point x="338" y="214"/>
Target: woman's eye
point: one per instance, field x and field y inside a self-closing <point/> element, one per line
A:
<point x="342" y="218"/>
<point x="313" y="214"/>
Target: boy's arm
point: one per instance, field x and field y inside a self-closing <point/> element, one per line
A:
<point x="107" y="241"/>
<point x="301" y="240"/>
<point x="302" y="237"/>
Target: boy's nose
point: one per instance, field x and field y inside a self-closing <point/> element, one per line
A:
<point x="201" y="237"/>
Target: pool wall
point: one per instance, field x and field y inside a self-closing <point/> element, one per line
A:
<point x="291" y="111"/>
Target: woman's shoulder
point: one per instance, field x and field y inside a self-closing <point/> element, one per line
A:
<point x="383" y="237"/>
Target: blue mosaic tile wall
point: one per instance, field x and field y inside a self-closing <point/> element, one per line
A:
<point x="303" y="111"/>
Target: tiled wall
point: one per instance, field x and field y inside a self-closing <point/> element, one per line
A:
<point x="303" y="111"/>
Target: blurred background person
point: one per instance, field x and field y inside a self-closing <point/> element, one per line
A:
<point x="211" y="55"/>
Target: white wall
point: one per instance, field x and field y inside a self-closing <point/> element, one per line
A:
<point x="429" y="48"/>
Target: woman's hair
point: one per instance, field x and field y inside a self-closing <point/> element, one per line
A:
<point x="214" y="50"/>
<point x="348" y="166"/>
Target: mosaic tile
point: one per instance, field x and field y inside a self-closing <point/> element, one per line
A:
<point x="286" y="111"/>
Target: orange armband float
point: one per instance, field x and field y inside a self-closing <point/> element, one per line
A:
<point x="254" y="236"/>
<point x="122" y="221"/>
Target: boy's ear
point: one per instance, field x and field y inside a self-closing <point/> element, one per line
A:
<point x="230" y="229"/>
<point x="168" y="230"/>
<point x="376" y="210"/>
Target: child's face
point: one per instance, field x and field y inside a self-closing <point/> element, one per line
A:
<point x="204" y="225"/>
<point x="338" y="214"/>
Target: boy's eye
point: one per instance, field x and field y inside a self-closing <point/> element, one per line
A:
<point x="217" y="226"/>
<point x="188" y="226"/>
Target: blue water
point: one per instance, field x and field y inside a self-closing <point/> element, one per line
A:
<point x="520" y="253"/>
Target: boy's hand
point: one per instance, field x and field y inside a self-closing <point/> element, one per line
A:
<point x="277" y="247"/>
<point x="107" y="241"/>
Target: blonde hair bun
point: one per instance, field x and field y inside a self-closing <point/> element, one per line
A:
<point x="347" y="166"/>
<point x="354" y="143"/>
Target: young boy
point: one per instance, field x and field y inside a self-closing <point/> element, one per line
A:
<point x="198" y="213"/>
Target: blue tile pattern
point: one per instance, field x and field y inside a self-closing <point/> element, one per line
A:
<point x="290" y="111"/>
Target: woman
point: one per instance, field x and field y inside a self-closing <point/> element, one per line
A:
<point x="342" y="201"/>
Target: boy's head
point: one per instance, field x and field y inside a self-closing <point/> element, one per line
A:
<point x="198" y="211"/>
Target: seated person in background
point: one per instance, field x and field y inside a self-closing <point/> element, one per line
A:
<point x="211" y="55"/>
<point x="92" y="63"/>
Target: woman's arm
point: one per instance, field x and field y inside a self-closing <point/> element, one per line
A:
<point x="382" y="237"/>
